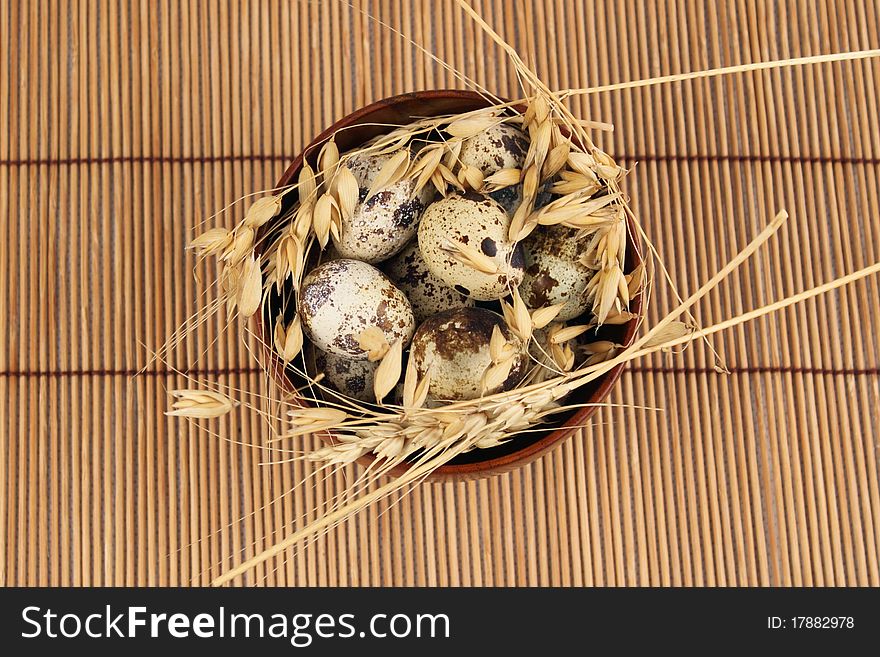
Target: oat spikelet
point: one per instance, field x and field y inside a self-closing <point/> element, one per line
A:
<point x="251" y="292"/>
<point x="211" y="242"/>
<point x="241" y="246"/>
<point x="307" y="185"/>
<point x="501" y="179"/>
<point x="452" y="148"/>
<point x="600" y="351"/>
<point x="612" y="245"/>
<point x="467" y="255"/>
<point x="290" y="259"/>
<point x="426" y="166"/>
<point x="347" y="192"/>
<point x="583" y="163"/>
<point x="497" y="343"/>
<point x="517" y="225"/>
<point x="472" y="125"/>
<point x="517" y="316"/>
<point x="311" y="419"/>
<point x="572" y="182"/>
<point x="523" y="222"/>
<point x="604" y="288"/>
<point x="539" y="146"/>
<point x="309" y="415"/>
<point x="410" y="381"/>
<point x="495" y="375"/>
<point x="279" y="334"/>
<point x="230" y="283"/>
<point x="328" y="158"/>
<point x="303" y="221"/>
<point x="415" y="390"/>
<point x="537" y="111"/>
<point x="568" y="333"/>
<point x="636" y="279"/>
<point x="507" y="312"/>
<point x="543" y="316"/>
<point x="561" y="353"/>
<point x="390" y="447"/>
<point x="556" y="159"/>
<point x="262" y="210"/>
<point x="323" y="218"/>
<point x="199" y="404"/>
<point x="421" y="392"/>
<point x="619" y="317"/>
<point x="522" y="316"/>
<point x="609" y="288"/>
<point x="388" y="373"/>
<point x="337" y="454"/>
<point x="470" y="177"/>
<point x="564" y="356"/>
<point x="439" y="182"/>
<point x="606" y="168"/>
<point x="288" y="341"/>
<point x="372" y="340"/>
<point x="672" y="331"/>
<point x="448" y="176"/>
<point x="530" y="184"/>
<point x="391" y="172"/>
<point x="428" y="158"/>
<point x="578" y="212"/>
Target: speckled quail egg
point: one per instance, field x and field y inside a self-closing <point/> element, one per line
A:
<point x="339" y="299"/>
<point x="353" y="378"/>
<point x="427" y="293"/>
<point x="456" y="342"/>
<point x="382" y="224"/>
<point x="470" y="222"/>
<point x="503" y="146"/>
<point x="553" y="273"/>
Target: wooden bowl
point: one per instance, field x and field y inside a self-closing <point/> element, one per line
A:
<point x="352" y="131"/>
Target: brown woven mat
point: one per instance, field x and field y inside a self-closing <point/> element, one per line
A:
<point x="124" y="124"/>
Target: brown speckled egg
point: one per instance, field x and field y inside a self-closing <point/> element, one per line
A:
<point x="457" y="343"/>
<point x="426" y="292"/>
<point x="353" y="378"/>
<point x="341" y="298"/>
<point x="553" y="273"/>
<point x="503" y="146"/>
<point x="382" y="224"/>
<point x="477" y="222"/>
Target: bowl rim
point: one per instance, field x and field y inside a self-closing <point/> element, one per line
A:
<point x="554" y="436"/>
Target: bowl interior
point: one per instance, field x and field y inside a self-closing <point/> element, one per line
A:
<point x="381" y="117"/>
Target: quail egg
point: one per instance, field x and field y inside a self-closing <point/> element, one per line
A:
<point x="382" y="224"/>
<point x="353" y="378"/>
<point x="475" y="224"/>
<point x="455" y="343"/>
<point x="426" y="292"/>
<point x="500" y="147"/>
<point x="340" y="299"/>
<point x="553" y="273"/>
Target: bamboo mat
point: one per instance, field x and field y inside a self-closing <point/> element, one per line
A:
<point x="126" y="123"/>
